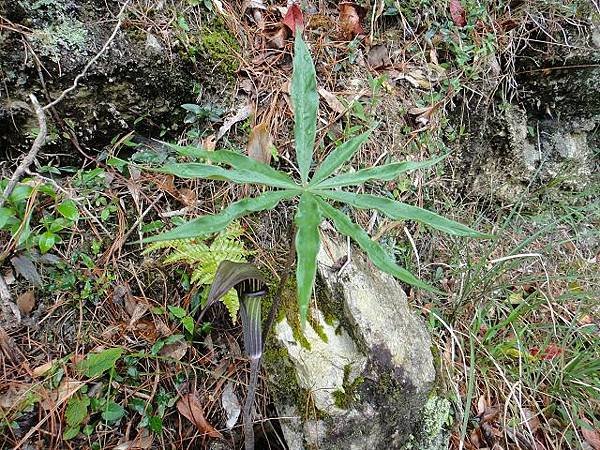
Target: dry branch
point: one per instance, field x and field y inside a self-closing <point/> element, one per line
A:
<point x="40" y="140"/>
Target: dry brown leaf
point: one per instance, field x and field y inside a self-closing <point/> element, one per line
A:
<point x="458" y="13"/>
<point x="42" y="370"/>
<point x="176" y="350"/>
<point x="294" y="19"/>
<point x="260" y="144"/>
<point x="277" y="39"/>
<point x="242" y="114"/>
<point x="590" y="435"/>
<point x="190" y="408"/>
<point x="26" y="302"/>
<point x="138" y="311"/>
<point x="14" y="396"/>
<point x="350" y="16"/>
<point x="57" y="397"/>
<point x="7" y="345"/>
<point x="532" y="419"/>
<point x="378" y="57"/>
<point x="188" y="197"/>
<point x="209" y="143"/>
<point x="143" y="441"/>
<point x="332" y="100"/>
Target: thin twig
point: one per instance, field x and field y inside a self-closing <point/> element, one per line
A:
<point x="35" y="148"/>
<point x="91" y="61"/>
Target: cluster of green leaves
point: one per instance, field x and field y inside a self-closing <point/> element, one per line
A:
<point x="205" y="258"/>
<point x="317" y="194"/>
<point x="20" y="207"/>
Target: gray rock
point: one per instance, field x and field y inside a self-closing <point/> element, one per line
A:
<point x="369" y="370"/>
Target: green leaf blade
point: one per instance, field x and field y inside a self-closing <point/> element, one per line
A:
<point x="374" y="251"/>
<point x="209" y="224"/>
<point x="305" y="101"/>
<point x="96" y="364"/>
<point x="260" y="173"/>
<point x="339" y="156"/>
<point x="386" y="172"/>
<point x="308" y="241"/>
<point x="402" y="211"/>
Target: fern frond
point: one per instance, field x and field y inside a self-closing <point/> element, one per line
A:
<point x="204" y="259"/>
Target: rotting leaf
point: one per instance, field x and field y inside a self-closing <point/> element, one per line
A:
<point x="350" y="16"/>
<point x="260" y="144"/>
<point x="65" y="390"/>
<point x="231" y="405"/>
<point x="175" y="350"/>
<point x="190" y="408"/>
<point x="26" y="269"/>
<point x="458" y="13"/>
<point x="294" y="19"/>
<point x="26" y="302"/>
<point x="590" y="435"/>
<point x="378" y="57"/>
<point x="331" y="100"/>
<point x="42" y="370"/>
<point x="143" y="441"/>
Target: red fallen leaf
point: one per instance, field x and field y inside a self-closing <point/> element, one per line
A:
<point x="350" y="16"/>
<point x="591" y="436"/>
<point x="550" y="352"/>
<point x="294" y="18"/>
<point x="189" y="407"/>
<point x="458" y="14"/>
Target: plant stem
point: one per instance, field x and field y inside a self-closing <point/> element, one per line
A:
<point x="249" y="403"/>
<point x="289" y="263"/>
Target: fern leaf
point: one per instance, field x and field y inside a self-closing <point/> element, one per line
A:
<point x="232" y="303"/>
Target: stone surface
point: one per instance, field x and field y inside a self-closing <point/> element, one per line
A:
<point x="367" y="385"/>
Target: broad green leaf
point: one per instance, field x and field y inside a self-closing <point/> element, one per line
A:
<point x="188" y="324"/>
<point x="68" y="209"/>
<point x="177" y="311"/>
<point x="70" y="433"/>
<point x="47" y="240"/>
<point x="77" y="410"/>
<point x="374" y="251"/>
<point x="339" y="156"/>
<point x="20" y="192"/>
<point x="113" y="412"/>
<point x="209" y="224"/>
<point x="97" y="363"/>
<point x="386" y="172"/>
<point x="7" y="216"/>
<point x="262" y="173"/>
<point x="305" y="101"/>
<point x="155" y="424"/>
<point x="401" y="211"/>
<point x="308" y="242"/>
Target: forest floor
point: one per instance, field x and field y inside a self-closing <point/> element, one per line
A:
<point x="106" y="349"/>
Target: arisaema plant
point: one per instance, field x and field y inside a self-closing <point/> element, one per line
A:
<point x="250" y="286"/>
<point x="318" y="189"/>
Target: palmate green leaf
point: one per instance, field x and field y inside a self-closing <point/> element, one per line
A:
<point x="339" y="156"/>
<point x="214" y="223"/>
<point x="305" y="101"/>
<point x="401" y="211"/>
<point x="262" y="173"/>
<point x="386" y="172"/>
<point x="308" y="241"/>
<point x="375" y="252"/>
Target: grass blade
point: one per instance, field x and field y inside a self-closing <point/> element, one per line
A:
<point x="375" y="252"/>
<point x="386" y="172"/>
<point x="401" y="211"/>
<point x="308" y="242"/>
<point x="213" y="223"/>
<point x="262" y="173"/>
<point x="305" y="101"/>
<point x="339" y="156"/>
